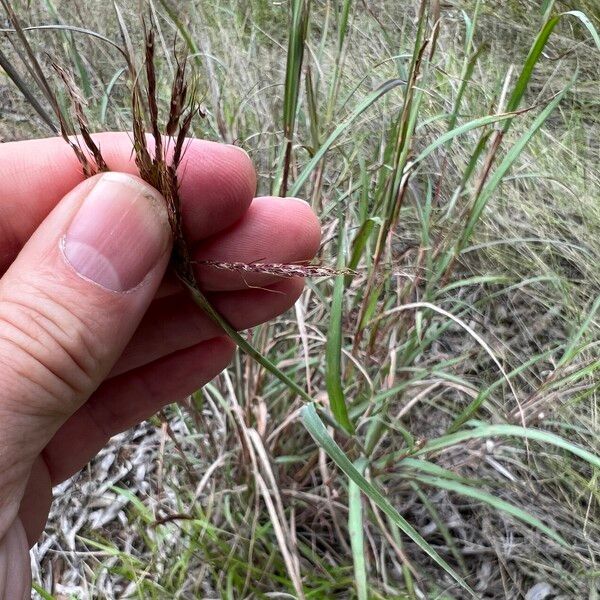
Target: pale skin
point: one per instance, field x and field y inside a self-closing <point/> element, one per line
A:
<point x="80" y="361"/>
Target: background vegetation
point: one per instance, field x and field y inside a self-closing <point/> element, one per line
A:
<point x="456" y="373"/>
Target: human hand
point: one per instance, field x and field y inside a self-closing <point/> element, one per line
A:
<point x="93" y="337"/>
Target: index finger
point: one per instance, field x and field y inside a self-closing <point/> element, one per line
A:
<point x="217" y="183"/>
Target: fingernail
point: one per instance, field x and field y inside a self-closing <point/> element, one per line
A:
<point x="119" y="232"/>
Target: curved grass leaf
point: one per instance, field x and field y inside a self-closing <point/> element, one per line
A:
<point x="587" y="23"/>
<point x="207" y="307"/>
<point x="485" y="431"/>
<point x="505" y="166"/>
<point x="529" y="65"/>
<point x="449" y="135"/>
<point x="70" y="28"/>
<point x="536" y="51"/>
<point x="572" y="349"/>
<point x="38" y="589"/>
<point x="183" y="30"/>
<point x="493" y="501"/>
<point x="442" y="527"/>
<point x="315" y="427"/>
<point x="333" y="350"/>
<point x="483" y="395"/>
<point x="107" y="93"/>
<point x="337" y="132"/>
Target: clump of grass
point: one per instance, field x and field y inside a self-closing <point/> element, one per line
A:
<point x="455" y="375"/>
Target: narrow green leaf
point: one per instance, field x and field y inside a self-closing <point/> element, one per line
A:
<point x="356" y="531"/>
<point x="295" y="55"/>
<point x="493" y="501"/>
<point x="530" y="62"/>
<point x="71" y="28"/>
<point x="14" y="76"/>
<point x="586" y="23"/>
<point x="86" y="83"/>
<point x="126" y="39"/>
<point x="183" y="30"/>
<point x="429" y="468"/>
<point x="486" y="431"/>
<point x="483" y="395"/>
<point x="370" y="305"/>
<point x="207" y="307"/>
<point x="107" y="93"/>
<point x="469" y="62"/>
<point x="474" y="124"/>
<point x="360" y="241"/>
<point x="315" y="427"/>
<point x="298" y="29"/>
<point x="505" y="166"/>
<point x="442" y="527"/>
<point x="42" y="592"/>
<point x="571" y="349"/>
<point x="339" y="130"/>
<point x="333" y="350"/>
<point x="536" y="51"/>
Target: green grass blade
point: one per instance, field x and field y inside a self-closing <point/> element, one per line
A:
<point x="183" y="30"/>
<point x="333" y="350"/>
<point x="342" y="26"/>
<point x="339" y="130"/>
<point x="494" y="502"/>
<point x="360" y="243"/>
<point x="508" y="161"/>
<point x="572" y="349"/>
<point x="106" y="95"/>
<point x="126" y="39"/>
<point x="205" y="305"/>
<point x="442" y="527"/>
<point x="483" y="395"/>
<point x="449" y="135"/>
<point x="73" y="29"/>
<point x="529" y="433"/>
<point x="86" y="82"/>
<point x="536" y="51"/>
<point x="298" y="29"/>
<point x="42" y="592"/>
<point x="356" y="531"/>
<point x="587" y="23"/>
<point x="469" y="61"/>
<point x="295" y="56"/>
<point x="427" y="467"/>
<point x="317" y="430"/>
<point x="529" y="65"/>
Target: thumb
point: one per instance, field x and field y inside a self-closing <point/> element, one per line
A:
<point x="69" y="304"/>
